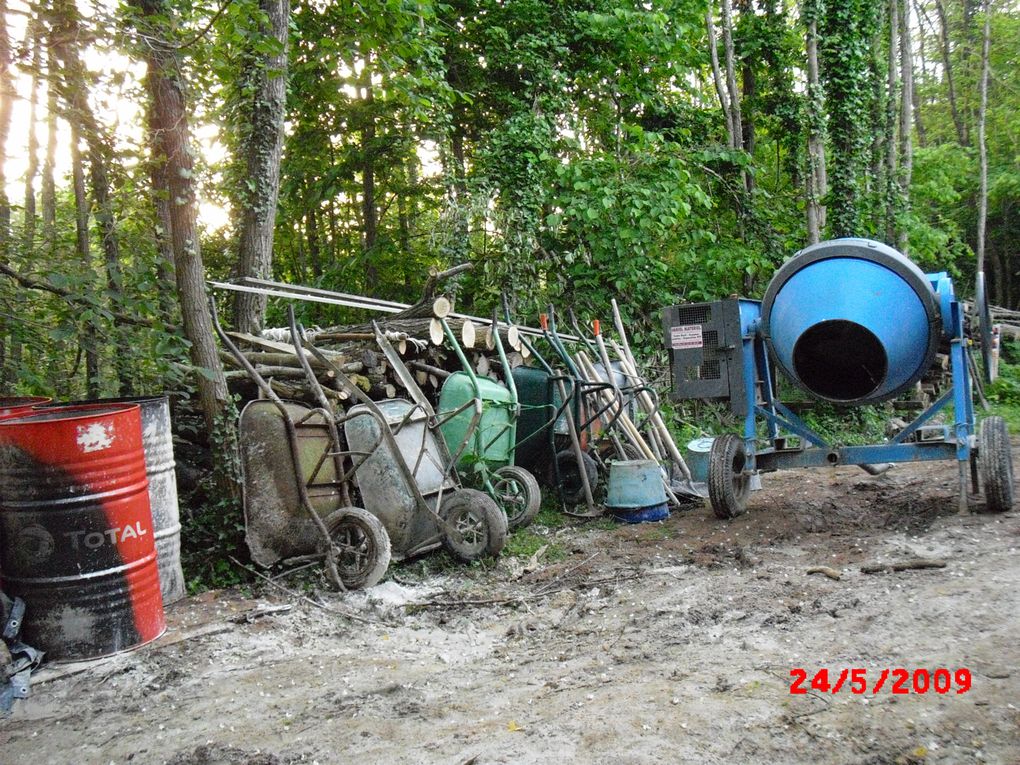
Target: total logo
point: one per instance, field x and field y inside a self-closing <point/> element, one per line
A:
<point x="92" y="540"/>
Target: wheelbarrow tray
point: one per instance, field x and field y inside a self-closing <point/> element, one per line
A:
<point x="382" y="478"/>
<point x="277" y="525"/>
<point x="539" y="399"/>
<point x="496" y="428"/>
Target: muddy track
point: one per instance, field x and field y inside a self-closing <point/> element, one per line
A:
<point x="665" y="643"/>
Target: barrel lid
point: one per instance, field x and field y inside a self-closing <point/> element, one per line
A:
<point x="703" y="444"/>
<point x="67" y="413"/>
<point x="48" y="404"/>
<point x="10" y="402"/>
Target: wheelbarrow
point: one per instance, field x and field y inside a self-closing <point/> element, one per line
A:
<point x="479" y="421"/>
<point x="553" y="432"/>
<point x="295" y="479"/>
<point x="410" y="481"/>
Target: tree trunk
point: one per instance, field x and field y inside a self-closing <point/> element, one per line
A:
<point x="736" y="120"/>
<point x="982" y="146"/>
<point x="369" y="213"/>
<point x="906" y="168"/>
<point x="915" y="96"/>
<point x="73" y="87"/>
<point x="163" y="226"/>
<point x="815" y="179"/>
<point x="717" y="77"/>
<point x="31" y="171"/>
<point x="49" y="189"/>
<point x="261" y="148"/>
<point x="7" y="96"/>
<point x="891" y="187"/>
<point x="81" y="207"/>
<point x="170" y="142"/>
<point x="961" y="129"/>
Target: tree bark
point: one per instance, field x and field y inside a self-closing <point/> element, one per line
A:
<point x="369" y="213"/>
<point x="7" y="96"/>
<point x="906" y="168"/>
<point x="49" y="190"/>
<point x="81" y="207"/>
<point x="731" y="77"/>
<point x="891" y="187"/>
<point x="717" y="77"/>
<point x="815" y="179"/>
<point x="982" y="146"/>
<point x="915" y="96"/>
<point x="72" y="86"/>
<point x="261" y="149"/>
<point x="170" y="142"/>
<point x="947" y="65"/>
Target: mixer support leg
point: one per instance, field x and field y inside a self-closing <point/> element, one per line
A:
<point x="963" y="508"/>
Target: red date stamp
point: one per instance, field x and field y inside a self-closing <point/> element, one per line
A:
<point x="860" y="681"/>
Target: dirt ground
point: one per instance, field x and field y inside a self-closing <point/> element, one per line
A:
<point x="668" y="643"/>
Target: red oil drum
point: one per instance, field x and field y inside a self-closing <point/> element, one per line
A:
<point x="13" y="405"/>
<point x="76" y="536"/>
<point x="158" y="444"/>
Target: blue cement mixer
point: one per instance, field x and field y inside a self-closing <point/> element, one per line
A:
<point x="850" y="322"/>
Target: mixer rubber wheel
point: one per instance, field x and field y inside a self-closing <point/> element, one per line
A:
<point x="479" y="522"/>
<point x="571" y="488"/>
<point x="516" y="490"/>
<point x="995" y="464"/>
<point x="361" y="547"/>
<point x="728" y="485"/>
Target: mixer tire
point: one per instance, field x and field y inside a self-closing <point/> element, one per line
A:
<point x="728" y="485"/>
<point x="479" y="523"/>
<point x="995" y="465"/>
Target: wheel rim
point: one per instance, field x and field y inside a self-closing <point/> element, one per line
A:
<point x="471" y="529"/>
<point x="512" y="496"/>
<point x="354" y="549"/>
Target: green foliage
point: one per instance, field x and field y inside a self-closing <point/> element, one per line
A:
<point x="847" y="29"/>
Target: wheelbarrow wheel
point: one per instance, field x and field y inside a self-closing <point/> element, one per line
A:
<point x="728" y="485"/>
<point x="361" y="547"/>
<point x="479" y="523"/>
<point x="571" y="487"/>
<point x="995" y="464"/>
<point x="518" y="493"/>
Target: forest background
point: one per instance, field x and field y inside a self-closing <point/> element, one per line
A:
<point x="657" y="152"/>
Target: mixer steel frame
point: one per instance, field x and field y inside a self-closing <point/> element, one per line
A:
<point x="773" y="438"/>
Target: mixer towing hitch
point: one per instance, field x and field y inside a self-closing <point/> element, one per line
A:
<point x="851" y="322"/>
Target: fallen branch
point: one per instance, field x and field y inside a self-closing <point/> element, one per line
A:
<point x="829" y="572"/>
<point x="31" y="283"/>
<point x="906" y="565"/>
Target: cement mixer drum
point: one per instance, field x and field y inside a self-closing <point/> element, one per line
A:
<point x="851" y="321"/>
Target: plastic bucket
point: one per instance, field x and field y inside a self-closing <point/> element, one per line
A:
<point x="697" y="457"/>
<point x="635" y="484"/>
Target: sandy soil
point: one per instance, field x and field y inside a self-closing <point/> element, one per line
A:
<point x="668" y="643"/>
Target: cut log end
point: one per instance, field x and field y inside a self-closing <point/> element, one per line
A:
<point x="441" y="307"/>
<point x="436" y="334"/>
<point x="468" y="334"/>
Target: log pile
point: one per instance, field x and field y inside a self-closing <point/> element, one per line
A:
<point x="416" y="332"/>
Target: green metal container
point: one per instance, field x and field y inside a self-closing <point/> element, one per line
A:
<point x="539" y="401"/>
<point x="494" y="443"/>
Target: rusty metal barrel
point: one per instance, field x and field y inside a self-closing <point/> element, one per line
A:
<point x="14" y="405"/>
<point x="76" y="536"/>
<point x="158" y="443"/>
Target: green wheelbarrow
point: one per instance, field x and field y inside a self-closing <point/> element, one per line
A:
<point x="479" y="422"/>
